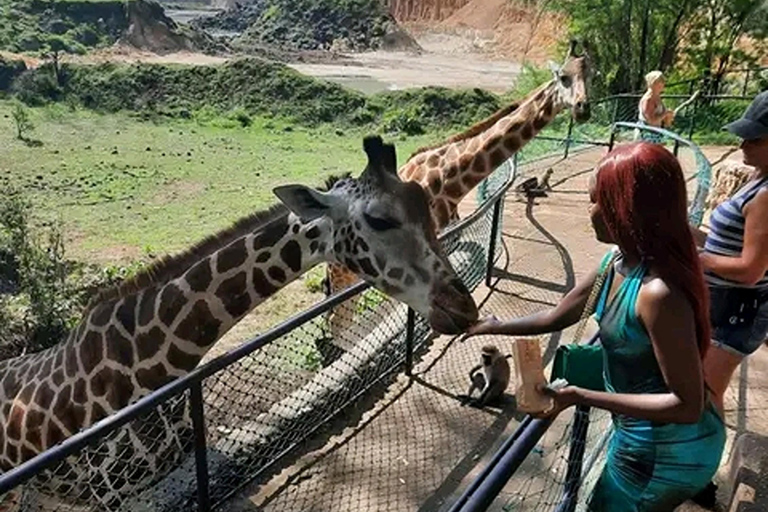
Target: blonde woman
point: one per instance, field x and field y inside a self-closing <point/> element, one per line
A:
<point x="651" y="110"/>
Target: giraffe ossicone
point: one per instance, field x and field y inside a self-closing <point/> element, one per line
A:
<point x="137" y="337"/>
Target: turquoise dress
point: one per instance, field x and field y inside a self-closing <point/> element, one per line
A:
<point x="650" y="466"/>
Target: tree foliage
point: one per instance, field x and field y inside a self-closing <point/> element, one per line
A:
<point x="679" y="37"/>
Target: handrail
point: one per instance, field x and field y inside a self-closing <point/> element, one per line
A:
<point x="102" y="428"/>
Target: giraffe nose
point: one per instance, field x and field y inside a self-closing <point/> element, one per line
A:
<point x="582" y="111"/>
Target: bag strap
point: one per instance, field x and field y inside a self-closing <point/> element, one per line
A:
<point x="592" y="299"/>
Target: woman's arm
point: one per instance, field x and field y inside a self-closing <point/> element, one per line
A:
<point x="668" y="318"/>
<point x="699" y="236"/>
<point x="566" y="313"/>
<point x="750" y="266"/>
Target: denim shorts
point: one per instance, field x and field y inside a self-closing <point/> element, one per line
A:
<point x="742" y="339"/>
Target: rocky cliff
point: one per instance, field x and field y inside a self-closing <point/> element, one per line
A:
<point x="424" y="10"/>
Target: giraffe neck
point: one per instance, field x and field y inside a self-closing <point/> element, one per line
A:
<point x="455" y="169"/>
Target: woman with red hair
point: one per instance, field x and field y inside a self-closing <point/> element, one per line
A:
<point x="654" y="328"/>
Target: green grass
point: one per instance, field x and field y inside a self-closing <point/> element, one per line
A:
<point x="126" y="188"/>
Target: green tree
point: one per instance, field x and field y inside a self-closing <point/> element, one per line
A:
<point x="631" y="37"/>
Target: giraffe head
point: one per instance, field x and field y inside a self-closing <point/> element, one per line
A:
<point x="380" y="228"/>
<point x="573" y="80"/>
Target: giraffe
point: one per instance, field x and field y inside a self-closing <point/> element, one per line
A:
<point x="136" y="337"/>
<point x="448" y="171"/>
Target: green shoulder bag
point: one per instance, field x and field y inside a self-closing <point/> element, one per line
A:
<point x="578" y="363"/>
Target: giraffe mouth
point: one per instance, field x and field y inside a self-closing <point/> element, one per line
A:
<point x="454" y="310"/>
<point x="448" y="322"/>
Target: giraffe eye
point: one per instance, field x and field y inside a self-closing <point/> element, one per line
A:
<point x="380" y="224"/>
<point x="565" y="80"/>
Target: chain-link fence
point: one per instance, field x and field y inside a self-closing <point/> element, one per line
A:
<point x="234" y="419"/>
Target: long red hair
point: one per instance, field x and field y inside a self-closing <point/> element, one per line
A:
<point x="641" y="192"/>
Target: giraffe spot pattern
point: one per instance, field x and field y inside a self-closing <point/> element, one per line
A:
<point x="527" y="132"/>
<point x="26" y="454"/>
<point x="233" y="293"/>
<point x="14" y="421"/>
<point x="352" y="266"/>
<point x="435" y="184"/>
<point x="147" y="306"/>
<point x="55" y="435"/>
<point x="539" y="123"/>
<point x="153" y="378"/>
<point x="367" y="267"/>
<point x="409" y="280"/>
<point x="100" y="382"/>
<point x="44" y="395"/>
<point x="102" y="313"/>
<point x="381" y="262"/>
<point x="263" y="256"/>
<point x="200" y="326"/>
<point x="278" y="274"/>
<point x="11" y="385"/>
<point x="171" y="301"/>
<point x="199" y="277"/>
<point x="26" y="393"/>
<point x="313" y="246"/>
<point x="271" y="234"/>
<point x="120" y="390"/>
<point x="126" y="314"/>
<point x="79" y="392"/>
<point x="71" y="366"/>
<point x="58" y="377"/>
<point x="147" y="344"/>
<point x="512" y="144"/>
<point x="497" y="157"/>
<point x="291" y="255"/>
<point x="454" y="189"/>
<point x="12" y="453"/>
<point x="182" y="360"/>
<point x="91" y="351"/>
<point x="260" y="284"/>
<point x="45" y="368"/>
<point x="231" y="256"/>
<point x="395" y="273"/>
<point x="313" y="232"/>
<point x="97" y="413"/>
<point x="119" y="348"/>
<point x="34" y="435"/>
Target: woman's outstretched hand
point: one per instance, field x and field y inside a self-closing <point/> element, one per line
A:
<point x="486" y="325"/>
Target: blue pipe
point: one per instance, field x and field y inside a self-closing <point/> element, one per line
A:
<point x="500" y="473"/>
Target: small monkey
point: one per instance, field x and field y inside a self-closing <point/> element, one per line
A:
<point x="491" y="377"/>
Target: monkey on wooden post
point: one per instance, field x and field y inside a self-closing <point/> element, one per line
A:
<point x="491" y="377"/>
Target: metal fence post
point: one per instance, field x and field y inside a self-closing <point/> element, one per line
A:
<point x="575" y="460"/>
<point x="492" y="241"/>
<point x="746" y="82"/>
<point x="201" y="450"/>
<point x="568" y="137"/>
<point x="410" y="327"/>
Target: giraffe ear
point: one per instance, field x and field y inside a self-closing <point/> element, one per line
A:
<point x="306" y="203"/>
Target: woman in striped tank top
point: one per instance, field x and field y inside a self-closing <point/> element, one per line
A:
<point x="735" y="258"/>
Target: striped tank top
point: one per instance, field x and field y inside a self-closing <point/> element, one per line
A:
<point x="726" y="235"/>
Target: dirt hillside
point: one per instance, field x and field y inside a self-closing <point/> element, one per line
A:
<point x="514" y="30"/>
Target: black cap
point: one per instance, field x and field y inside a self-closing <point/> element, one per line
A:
<point x="754" y="123"/>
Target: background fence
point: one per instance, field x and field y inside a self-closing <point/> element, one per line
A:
<point x="251" y="410"/>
